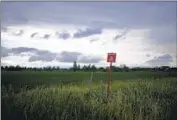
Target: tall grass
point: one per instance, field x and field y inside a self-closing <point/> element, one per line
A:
<point x="130" y="100"/>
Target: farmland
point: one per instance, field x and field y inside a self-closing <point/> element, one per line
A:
<point x="45" y="95"/>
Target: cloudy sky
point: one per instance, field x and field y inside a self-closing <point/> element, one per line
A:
<point x="57" y="33"/>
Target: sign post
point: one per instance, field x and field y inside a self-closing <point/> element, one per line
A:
<point x="110" y="58"/>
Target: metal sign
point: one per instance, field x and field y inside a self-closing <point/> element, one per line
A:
<point x="111" y="57"/>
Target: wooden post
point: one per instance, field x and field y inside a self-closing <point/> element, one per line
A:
<point x="91" y="79"/>
<point x="108" y="82"/>
<point x="110" y="58"/>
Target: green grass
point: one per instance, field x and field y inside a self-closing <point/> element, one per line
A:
<point x="31" y="78"/>
<point x="134" y="96"/>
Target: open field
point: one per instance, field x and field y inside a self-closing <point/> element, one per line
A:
<point x="32" y="78"/>
<point x="72" y="96"/>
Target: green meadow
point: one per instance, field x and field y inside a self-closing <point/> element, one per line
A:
<point x="45" y="95"/>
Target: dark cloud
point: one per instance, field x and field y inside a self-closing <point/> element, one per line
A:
<point x="161" y="60"/>
<point x="40" y="55"/>
<point x="139" y="14"/>
<point x="117" y="37"/>
<point x="68" y="56"/>
<point x="43" y="52"/>
<point x="148" y="55"/>
<point x="4" y="29"/>
<point x="100" y="15"/>
<point x="46" y="36"/>
<point x="163" y="34"/>
<point x="43" y="55"/>
<point x="122" y="35"/>
<point x="32" y="35"/>
<point x="22" y="49"/>
<point x="93" y="40"/>
<point x="87" y="32"/>
<point x="15" y="51"/>
<point x="47" y="56"/>
<point x="90" y="59"/>
<point x="4" y="52"/>
<point x="63" y="35"/>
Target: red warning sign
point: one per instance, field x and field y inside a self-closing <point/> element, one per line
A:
<point x="111" y="57"/>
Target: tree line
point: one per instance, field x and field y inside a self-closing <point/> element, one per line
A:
<point x="93" y="68"/>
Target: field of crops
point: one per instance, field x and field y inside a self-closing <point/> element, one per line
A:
<point x="75" y="96"/>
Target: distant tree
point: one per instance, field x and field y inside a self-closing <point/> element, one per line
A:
<point x="11" y="68"/>
<point x="35" y="69"/>
<point x="78" y="67"/>
<point x="2" y="68"/>
<point x="17" y="68"/>
<point x="74" y="66"/>
<point x="25" y="68"/>
<point x="57" y="68"/>
<point x="93" y="68"/>
<point x="114" y="68"/>
<point x="89" y="67"/>
<point x="124" y="67"/>
<point x="53" y="68"/>
<point x="6" y="68"/>
<point x="50" y="68"/>
<point x="84" y="68"/>
<point x="100" y="68"/>
<point x="174" y="69"/>
<point x="165" y="68"/>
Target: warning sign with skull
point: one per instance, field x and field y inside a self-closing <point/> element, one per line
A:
<point x="111" y="57"/>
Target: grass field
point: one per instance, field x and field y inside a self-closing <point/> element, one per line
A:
<point x="72" y="96"/>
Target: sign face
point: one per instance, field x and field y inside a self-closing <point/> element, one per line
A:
<point x="111" y="57"/>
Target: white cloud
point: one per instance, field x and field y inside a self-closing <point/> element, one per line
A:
<point x="132" y="50"/>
